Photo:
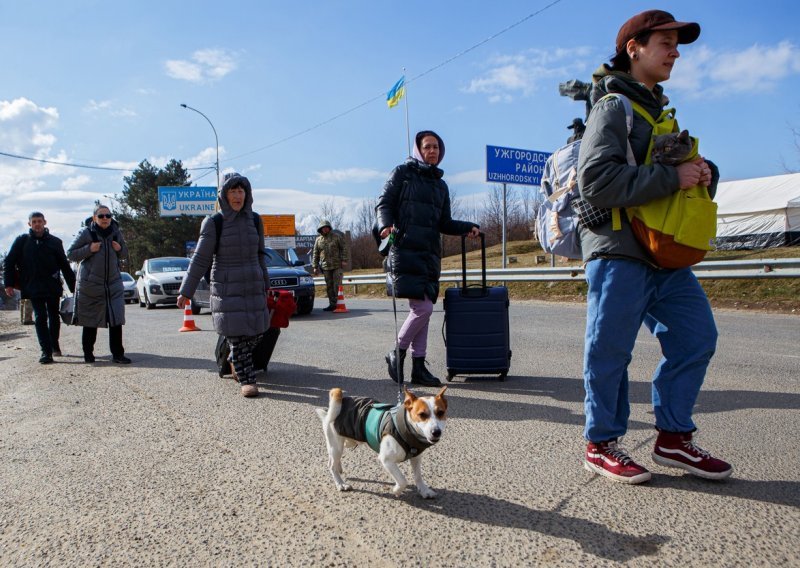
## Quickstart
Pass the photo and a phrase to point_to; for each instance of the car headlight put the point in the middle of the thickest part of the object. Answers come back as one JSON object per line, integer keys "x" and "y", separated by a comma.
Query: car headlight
{"x": 155, "y": 288}
{"x": 306, "y": 281}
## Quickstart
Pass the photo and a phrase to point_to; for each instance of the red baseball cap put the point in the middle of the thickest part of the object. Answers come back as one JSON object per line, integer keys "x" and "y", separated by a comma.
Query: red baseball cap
{"x": 656, "y": 20}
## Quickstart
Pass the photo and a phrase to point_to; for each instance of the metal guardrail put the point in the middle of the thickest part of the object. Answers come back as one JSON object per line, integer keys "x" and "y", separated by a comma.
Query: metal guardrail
{"x": 710, "y": 269}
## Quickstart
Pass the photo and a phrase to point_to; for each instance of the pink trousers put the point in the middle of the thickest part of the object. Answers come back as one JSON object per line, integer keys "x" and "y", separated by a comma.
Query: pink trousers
{"x": 414, "y": 333}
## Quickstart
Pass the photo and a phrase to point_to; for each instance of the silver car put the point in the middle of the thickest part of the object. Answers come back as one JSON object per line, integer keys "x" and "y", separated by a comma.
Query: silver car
{"x": 130, "y": 295}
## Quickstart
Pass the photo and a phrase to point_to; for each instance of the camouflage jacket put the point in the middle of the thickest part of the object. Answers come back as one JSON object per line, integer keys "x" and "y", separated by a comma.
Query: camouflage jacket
{"x": 330, "y": 252}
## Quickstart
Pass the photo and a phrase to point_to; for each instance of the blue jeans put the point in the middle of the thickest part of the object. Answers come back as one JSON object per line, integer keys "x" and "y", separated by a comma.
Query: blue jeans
{"x": 622, "y": 295}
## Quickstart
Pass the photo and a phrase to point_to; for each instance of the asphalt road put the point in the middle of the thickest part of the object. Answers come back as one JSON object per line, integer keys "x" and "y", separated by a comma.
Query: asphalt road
{"x": 163, "y": 463}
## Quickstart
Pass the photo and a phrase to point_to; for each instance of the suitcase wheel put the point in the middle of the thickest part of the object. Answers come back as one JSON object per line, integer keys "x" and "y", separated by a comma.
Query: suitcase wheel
{"x": 450, "y": 376}
{"x": 502, "y": 376}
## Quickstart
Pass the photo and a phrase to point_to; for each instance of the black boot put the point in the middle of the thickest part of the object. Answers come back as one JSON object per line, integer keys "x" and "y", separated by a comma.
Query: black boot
{"x": 391, "y": 360}
{"x": 420, "y": 375}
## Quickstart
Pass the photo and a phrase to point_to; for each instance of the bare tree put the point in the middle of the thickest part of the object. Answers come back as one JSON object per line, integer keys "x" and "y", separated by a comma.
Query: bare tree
{"x": 492, "y": 214}
{"x": 365, "y": 217}
{"x": 329, "y": 210}
{"x": 363, "y": 251}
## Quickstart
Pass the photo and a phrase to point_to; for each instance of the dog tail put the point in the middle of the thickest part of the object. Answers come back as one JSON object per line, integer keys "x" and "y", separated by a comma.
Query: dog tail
{"x": 334, "y": 405}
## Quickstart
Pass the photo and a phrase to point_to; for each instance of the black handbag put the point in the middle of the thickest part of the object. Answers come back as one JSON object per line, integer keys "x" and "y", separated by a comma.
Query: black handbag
{"x": 66, "y": 309}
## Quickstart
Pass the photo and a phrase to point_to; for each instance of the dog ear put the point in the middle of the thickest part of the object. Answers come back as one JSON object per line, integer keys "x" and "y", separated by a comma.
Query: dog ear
{"x": 409, "y": 398}
{"x": 441, "y": 397}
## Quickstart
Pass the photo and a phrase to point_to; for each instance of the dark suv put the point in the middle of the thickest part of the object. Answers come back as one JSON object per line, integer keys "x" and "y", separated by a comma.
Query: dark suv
{"x": 282, "y": 275}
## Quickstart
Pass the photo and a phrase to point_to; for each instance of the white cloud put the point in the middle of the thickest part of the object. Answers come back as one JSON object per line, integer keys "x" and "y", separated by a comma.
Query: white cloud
{"x": 206, "y": 157}
{"x": 466, "y": 178}
{"x": 509, "y": 76}
{"x": 704, "y": 72}
{"x": 74, "y": 183}
{"x": 347, "y": 175}
{"x": 107, "y": 107}
{"x": 24, "y": 125}
{"x": 205, "y": 66}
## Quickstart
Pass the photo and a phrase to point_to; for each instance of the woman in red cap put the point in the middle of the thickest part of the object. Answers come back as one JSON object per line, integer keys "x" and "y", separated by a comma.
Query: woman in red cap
{"x": 626, "y": 288}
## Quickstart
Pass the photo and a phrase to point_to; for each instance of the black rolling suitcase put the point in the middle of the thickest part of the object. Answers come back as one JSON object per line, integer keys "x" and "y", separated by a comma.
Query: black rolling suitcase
{"x": 261, "y": 354}
{"x": 476, "y": 332}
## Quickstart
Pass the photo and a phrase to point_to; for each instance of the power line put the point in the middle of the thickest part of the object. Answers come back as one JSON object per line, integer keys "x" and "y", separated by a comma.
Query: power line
{"x": 383, "y": 94}
{"x": 85, "y": 166}
{"x": 319, "y": 124}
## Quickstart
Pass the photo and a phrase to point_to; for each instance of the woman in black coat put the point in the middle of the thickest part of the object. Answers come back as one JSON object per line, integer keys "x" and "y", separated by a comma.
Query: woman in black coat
{"x": 416, "y": 205}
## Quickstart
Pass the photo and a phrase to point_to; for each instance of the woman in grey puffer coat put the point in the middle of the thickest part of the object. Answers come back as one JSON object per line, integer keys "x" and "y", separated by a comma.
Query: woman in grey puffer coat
{"x": 99, "y": 300}
{"x": 239, "y": 276}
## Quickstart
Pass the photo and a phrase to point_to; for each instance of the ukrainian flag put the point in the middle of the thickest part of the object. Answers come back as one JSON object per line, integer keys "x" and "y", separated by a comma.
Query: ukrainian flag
{"x": 396, "y": 93}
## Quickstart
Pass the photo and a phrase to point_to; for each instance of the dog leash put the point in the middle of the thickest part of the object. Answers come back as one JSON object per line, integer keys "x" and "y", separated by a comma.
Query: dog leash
{"x": 396, "y": 330}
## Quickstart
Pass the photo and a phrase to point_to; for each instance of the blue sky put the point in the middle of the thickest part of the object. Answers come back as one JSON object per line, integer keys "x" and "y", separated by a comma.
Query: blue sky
{"x": 100, "y": 83}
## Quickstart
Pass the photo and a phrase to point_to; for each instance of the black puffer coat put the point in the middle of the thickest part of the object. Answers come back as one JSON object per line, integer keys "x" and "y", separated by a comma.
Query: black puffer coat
{"x": 39, "y": 261}
{"x": 416, "y": 201}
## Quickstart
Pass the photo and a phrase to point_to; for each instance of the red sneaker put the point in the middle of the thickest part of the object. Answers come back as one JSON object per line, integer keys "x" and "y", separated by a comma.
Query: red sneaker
{"x": 608, "y": 459}
{"x": 678, "y": 450}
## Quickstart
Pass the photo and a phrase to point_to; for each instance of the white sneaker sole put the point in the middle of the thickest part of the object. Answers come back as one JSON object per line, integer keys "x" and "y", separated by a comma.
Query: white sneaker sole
{"x": 635, "y": 480}
{"x": 666, "y": 462}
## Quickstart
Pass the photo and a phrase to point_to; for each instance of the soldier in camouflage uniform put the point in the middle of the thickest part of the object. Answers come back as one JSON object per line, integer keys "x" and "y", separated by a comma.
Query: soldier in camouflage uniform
{"x": 330, "y": 255}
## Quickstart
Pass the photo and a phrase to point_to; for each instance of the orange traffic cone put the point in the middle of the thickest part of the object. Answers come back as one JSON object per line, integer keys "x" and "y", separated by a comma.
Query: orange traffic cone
{"x": 340, "y": 307}
{"x": 188, "y": 318}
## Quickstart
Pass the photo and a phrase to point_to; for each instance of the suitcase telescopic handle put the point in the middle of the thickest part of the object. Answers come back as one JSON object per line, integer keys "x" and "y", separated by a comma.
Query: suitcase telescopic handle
{"x": 464, "y": 262}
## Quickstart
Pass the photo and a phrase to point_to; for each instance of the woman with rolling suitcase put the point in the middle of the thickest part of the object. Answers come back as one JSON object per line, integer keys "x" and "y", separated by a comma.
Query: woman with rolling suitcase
{"x": 415, "y": 205}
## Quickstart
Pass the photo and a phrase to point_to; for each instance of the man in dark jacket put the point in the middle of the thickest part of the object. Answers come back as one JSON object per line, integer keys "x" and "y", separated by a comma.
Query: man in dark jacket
{"x": 40, "y": 260}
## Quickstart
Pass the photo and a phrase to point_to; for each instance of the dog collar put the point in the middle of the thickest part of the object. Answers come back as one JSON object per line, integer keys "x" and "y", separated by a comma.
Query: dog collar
{"x": 413, "y": 444}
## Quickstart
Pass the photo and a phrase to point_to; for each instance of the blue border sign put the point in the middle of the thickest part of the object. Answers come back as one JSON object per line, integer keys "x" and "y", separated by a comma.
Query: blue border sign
{"x": 187, "y": 200}
{"x": 514, "y": 165}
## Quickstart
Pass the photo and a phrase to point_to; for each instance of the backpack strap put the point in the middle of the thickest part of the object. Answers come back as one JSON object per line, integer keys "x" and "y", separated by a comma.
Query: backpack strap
{"x": 628, "y": 105}
{"x": 217, "y": 218}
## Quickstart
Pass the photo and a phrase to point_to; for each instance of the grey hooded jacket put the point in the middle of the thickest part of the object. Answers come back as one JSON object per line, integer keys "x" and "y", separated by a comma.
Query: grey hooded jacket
{"x": 239, "y": 274}
{"x": 604, "y": 177}
{"x": 99, "y": 300}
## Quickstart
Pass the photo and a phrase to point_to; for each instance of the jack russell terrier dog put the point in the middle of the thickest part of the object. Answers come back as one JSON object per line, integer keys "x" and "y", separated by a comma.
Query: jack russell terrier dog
{"x": 397, "y": 433}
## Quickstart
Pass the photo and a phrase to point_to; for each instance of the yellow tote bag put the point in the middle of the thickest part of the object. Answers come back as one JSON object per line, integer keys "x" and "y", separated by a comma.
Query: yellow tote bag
{"x": 679, "y": 229}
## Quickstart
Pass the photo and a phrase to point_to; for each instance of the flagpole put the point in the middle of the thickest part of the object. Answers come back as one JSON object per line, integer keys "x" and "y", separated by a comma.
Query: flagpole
{"x": 408, "y": 129}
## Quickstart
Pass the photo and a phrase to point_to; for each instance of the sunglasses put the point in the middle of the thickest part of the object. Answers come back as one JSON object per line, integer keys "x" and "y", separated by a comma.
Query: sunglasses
{"x": 104, "y": 215}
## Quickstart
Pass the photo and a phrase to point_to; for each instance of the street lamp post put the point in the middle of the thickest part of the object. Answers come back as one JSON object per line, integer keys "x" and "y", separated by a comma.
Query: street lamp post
{"x": 216, "y": 138}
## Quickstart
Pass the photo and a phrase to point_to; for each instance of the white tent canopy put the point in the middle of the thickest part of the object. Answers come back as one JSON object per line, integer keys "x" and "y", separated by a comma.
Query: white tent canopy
{"x": 758, "y": 213}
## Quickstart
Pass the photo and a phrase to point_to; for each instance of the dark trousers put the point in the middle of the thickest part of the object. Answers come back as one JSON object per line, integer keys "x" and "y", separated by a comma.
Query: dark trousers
{"x": 114, "y": 340}
{"x": 48, "y": 323}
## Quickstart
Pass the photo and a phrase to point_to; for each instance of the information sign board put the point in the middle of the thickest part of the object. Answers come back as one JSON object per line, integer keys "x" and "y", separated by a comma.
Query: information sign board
{"x": 194, "y": 200}
{"x": 278, "y": 225}
{"x": 514, "y": 165}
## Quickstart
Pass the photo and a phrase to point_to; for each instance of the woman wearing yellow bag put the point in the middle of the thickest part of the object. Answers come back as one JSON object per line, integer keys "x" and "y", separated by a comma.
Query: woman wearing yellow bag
{"x": 626, "y": 288}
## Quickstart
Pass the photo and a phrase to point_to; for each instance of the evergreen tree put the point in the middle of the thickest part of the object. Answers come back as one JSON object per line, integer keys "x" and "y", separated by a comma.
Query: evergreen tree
{"x": 148, "y": 234}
